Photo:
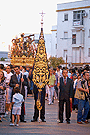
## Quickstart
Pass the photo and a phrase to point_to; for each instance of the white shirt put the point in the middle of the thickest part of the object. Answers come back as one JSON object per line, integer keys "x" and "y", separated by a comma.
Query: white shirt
{"x": 26, "y": 73}
{"x": 17, "y": 99}
{"x": 8, "y": 77}
{"x": 59, "y": 75}
{"x": 4, "y": 73}
{"x": 74, "y": 83}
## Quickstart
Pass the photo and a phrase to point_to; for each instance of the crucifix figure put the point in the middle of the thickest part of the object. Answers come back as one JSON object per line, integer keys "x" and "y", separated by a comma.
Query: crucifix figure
{"x": 42, "y": 15}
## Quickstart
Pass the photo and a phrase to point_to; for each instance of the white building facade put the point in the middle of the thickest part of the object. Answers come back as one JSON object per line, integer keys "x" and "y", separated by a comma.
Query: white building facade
{"x": 73, "y": 31}
{"x": 54, "y": 41}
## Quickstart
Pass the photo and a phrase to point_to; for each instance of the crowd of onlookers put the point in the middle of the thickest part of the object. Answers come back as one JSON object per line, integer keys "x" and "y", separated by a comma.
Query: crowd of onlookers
{"x": 16, "y": 83}
{"x": 81, "y": 90}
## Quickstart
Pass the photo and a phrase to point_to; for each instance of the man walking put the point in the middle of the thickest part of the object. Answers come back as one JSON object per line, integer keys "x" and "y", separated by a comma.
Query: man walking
{"x": 65, "y": 95}
{"x": 83, "y": 99}
{"x": 52, "y": 81}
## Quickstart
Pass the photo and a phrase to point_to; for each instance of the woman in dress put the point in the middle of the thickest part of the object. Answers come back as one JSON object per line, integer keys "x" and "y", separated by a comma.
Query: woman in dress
{"x": 2, "y": 94}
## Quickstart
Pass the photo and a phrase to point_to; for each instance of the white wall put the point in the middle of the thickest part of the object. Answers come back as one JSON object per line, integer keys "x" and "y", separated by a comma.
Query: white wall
{"x": 54, "y": 41}
{"x": 73, "y": 50}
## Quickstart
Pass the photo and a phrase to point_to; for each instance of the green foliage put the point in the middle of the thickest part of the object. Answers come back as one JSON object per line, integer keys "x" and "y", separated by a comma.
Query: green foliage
{"x": 54, "y": 62}
{"x": 3, "y": 59}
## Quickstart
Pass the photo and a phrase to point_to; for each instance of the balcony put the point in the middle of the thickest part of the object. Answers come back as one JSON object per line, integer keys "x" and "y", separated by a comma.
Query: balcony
{"x": 77, "y": 24}
{"x": 78, "y": 18}
{"x": 78, "y": 45}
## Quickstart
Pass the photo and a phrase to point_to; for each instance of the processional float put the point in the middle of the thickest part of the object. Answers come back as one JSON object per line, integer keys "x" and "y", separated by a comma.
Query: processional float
{"x": 23, "y": 50}
{"x": 40, "y": 71}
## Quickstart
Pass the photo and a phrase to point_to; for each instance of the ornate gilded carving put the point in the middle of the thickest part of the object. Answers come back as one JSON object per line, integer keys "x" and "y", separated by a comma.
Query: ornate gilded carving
{"x": 23, "y": 61}
{"x": 40, "y": 72}
{"x": 23, "y": 51}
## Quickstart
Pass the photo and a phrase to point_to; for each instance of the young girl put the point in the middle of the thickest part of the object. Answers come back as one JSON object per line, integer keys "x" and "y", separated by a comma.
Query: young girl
{"x": 17, "y": 102}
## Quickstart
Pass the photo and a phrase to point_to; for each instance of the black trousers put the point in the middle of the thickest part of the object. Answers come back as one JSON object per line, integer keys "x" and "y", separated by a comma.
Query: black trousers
{"x": 61, "y": 109}
{"x": 36, "y": 111}
{"x": 22, "y": 112}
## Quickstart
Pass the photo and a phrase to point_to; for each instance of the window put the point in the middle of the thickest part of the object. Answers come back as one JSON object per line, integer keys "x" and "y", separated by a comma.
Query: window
{"x": 78, "y": 17}
{"x": 88, "y": 52}
{"x": 65, "y": 34}
{"x": 66, "y": 17}
{"x": 89, "y": 14}
{"x": 89, "y": 32}
{"x": 56, "y": 46}
{"x": 73, "y": 38}
{"x": 56, "y": 35}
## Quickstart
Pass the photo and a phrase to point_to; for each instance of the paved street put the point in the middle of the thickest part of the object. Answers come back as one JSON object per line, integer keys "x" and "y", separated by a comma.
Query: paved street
{"x": 50, "y": 127}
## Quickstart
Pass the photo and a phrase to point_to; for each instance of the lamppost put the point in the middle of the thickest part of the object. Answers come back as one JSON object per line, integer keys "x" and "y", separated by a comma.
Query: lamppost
{"x": 80, "y": 53}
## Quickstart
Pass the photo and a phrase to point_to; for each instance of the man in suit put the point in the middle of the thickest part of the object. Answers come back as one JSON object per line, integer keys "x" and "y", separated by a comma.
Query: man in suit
{"x": 19, "y": 80}
{"x": 36, "y": 111}
{"x": 65, "y": 95}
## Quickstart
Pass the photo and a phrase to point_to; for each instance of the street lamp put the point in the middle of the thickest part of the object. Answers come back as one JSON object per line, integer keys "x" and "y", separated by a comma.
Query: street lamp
{"x": 80, "y": 53}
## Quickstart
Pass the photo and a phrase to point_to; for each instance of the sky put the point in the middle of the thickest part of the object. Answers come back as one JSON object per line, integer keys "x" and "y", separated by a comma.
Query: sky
{"x": 22, "y": 16}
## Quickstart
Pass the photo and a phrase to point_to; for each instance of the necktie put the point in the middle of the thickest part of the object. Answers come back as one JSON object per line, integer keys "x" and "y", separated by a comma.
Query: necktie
{"x": 64, "y": 81}
{"x": 18, "y": 78}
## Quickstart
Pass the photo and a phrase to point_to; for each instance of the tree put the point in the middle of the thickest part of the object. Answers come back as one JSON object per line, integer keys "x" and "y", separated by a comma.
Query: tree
{"x": 3, "y": 59}
{"x": 54, "y": 62}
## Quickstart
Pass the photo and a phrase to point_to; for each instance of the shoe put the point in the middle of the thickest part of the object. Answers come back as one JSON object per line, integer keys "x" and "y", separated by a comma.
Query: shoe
{"x": 43, "y": 120}
{"x": 23, "y": 121}
{"x": 0, "y": 120}
{"x": 49, "y": 103}
{"x": 52, "y": 103}
{"x": 86, "y": 121}
{"x": 79, "y": 122}
{"x": 60, "y": 121}
{"x": 11, "y": 124}
{"x": 45, "y": 98}
{"x": 17, "y": 125}
{"x": 33, "y": 120}
{"x": 68, "y": 122}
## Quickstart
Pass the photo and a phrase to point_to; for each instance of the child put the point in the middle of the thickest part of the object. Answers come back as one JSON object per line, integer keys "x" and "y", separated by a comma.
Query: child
{"x": 17, "y": 102}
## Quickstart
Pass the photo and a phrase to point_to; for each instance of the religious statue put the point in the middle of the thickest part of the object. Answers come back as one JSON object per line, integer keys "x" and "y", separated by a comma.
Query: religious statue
{"x": 23, "y": 50}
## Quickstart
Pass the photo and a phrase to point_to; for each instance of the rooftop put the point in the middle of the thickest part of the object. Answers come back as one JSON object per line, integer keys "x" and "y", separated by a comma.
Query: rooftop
{"x": 73, "y": 5}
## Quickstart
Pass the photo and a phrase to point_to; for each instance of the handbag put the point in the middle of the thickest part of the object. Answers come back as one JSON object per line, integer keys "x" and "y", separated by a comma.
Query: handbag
{"x": 79, "y": 94}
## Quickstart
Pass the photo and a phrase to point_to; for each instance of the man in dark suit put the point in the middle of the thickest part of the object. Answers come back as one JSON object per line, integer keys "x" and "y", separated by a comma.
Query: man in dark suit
{"x": 65, "y": 95}
{"x": 36, "y": 111}
{"x": 19, "y": 80}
